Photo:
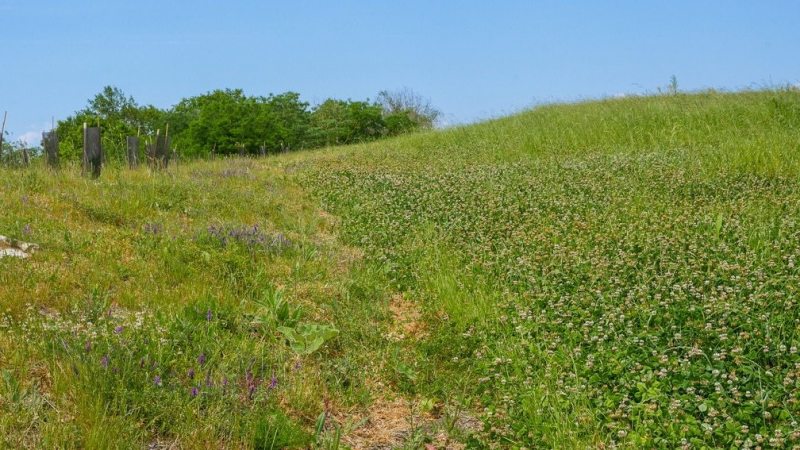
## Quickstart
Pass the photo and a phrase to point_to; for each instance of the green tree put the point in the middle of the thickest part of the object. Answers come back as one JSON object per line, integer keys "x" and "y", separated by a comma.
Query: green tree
{"x": 336, "y": 122}
{"x": 418, "y": 111}
{"x": 117, "y": 115}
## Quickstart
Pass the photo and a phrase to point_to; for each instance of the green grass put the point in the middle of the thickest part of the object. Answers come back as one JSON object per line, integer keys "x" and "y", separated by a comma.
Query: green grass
{"x": 618, "y": 272}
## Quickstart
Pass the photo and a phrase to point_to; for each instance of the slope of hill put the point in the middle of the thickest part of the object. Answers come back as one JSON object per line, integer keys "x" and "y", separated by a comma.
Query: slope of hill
{"x": 620, "y": 272}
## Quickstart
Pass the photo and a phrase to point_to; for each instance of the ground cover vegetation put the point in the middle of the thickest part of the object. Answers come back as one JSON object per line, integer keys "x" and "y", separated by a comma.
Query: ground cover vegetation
{"x": 615, "y": 273}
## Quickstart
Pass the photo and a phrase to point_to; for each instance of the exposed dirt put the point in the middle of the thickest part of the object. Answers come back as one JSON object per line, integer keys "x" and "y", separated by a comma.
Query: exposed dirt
{"x": 390, "y": 423}
{"x": 406, "y": 319}
{"x": 387, "y": 425}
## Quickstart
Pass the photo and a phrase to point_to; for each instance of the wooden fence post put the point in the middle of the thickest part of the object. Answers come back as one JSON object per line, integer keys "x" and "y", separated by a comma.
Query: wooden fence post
{"x": 50, "y": 142}
{"x": 92, "y": 150}
{"x": 133, "y": 151}
{"x": 152, "y": 150}
{"x": 2, "y": 132}
{"x": 165, "y": 149}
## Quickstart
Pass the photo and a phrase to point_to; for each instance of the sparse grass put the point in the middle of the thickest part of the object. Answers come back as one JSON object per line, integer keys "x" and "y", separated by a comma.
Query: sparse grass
{"x": 149, "y": 315}
{"x": 612, "y": 273}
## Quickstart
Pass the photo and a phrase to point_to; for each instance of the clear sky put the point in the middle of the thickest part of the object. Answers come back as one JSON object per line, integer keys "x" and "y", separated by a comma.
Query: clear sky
{"x": 473, "y": 59}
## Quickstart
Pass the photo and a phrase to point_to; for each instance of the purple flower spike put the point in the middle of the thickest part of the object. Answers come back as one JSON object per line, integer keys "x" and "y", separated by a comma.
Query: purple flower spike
{"x": 194, "y": 391}
{"x": 201, "y": 359}
{"x": 119, "y": 329}
{"x": 209, "y": 315}
{"x": 190, "y": 374}
{"x": 157, "y": 380}
{"x": 273, "y": 382}
{"x": 104, "y": 361}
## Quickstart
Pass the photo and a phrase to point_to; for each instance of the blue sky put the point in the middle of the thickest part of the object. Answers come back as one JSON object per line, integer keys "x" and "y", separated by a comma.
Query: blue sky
{"x": 473, "y": 59}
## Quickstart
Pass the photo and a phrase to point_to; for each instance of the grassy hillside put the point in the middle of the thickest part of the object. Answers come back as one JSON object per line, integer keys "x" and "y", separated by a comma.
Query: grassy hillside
{"x": 620, "y": 272}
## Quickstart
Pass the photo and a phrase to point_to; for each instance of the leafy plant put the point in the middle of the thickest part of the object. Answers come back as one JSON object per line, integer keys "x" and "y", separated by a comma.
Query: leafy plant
{"x": 307, "y": 338}
{"x": 275, "y": 311}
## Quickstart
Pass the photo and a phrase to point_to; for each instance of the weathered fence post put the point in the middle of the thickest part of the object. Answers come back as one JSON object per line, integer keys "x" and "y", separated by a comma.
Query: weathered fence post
{"x": 165, "y": 149}
{"x": 263, "y": 149}
{"x": 92, "y": 150}
{"x": 84, "y": 161}
{"x": 2, "y": 132}
{"x": 50, "y": 143}
{"x": 133, "y": 151}
{"x": 151, "y": 151}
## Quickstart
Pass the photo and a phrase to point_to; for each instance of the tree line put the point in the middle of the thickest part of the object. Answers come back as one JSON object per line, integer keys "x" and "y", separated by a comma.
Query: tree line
{"x": 228, "y": 121}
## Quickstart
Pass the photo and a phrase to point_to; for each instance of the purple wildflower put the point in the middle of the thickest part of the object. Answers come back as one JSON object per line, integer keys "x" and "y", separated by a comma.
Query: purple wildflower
{"x": 157, "y": 380}
{"x": 273, "y": 382}
{"x": 190, "y": 373}
{"x": 201, "y": 359}
{"x": 209, "y": 315}
{"x": 104, "y": 361}
{"x": 194, "y": 391}
{"x": 152, "y": 228}
{"x": 251, "y": 390}
{"x": 87, "y": 346}
{"x": 119, "y": 329}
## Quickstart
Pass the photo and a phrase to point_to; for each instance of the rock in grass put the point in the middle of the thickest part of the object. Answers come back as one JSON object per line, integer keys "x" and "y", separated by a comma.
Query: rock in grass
{"x": 16, "y": 249}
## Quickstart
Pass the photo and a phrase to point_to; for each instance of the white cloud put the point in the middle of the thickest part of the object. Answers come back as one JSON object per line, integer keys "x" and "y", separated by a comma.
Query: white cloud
{"x": 31, "y": 138}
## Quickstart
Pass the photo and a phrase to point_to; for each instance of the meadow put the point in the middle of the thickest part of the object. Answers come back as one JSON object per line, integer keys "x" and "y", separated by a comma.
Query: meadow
{"x": 618, "y": 273}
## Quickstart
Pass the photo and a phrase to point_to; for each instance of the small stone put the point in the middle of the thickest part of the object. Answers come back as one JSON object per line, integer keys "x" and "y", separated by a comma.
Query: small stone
{"x": 16, "y": 249}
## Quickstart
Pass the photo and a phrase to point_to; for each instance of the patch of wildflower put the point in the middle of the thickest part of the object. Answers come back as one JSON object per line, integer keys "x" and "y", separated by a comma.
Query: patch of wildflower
{"x": 153, "y": 228}
{"x": 123, "y": 355}
{"x": 251, "y": 237}
{"x": 661, "y": 297}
